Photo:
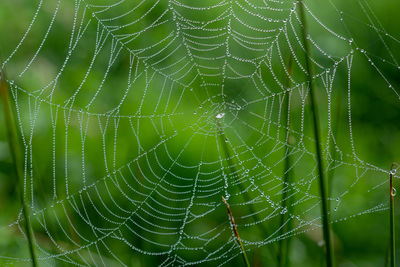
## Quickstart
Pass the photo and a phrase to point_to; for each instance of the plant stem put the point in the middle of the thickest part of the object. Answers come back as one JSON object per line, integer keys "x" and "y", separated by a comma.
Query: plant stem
{"x": 245, "y": 195}
{"x": 314, "y": 111}
{"x": 283, "y": 254}
{"x": 392, "y": 245}
{"x": 16, "y": 157}
{"x": 246, "y": 260}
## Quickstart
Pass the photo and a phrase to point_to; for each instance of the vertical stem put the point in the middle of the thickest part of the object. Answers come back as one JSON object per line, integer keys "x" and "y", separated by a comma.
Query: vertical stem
{"x": 314, "y": 111}
{"x": 245, "y": 195}
{"x": 16, "y": 157}
{"x": 392, "y": 245}
{"x": 283, "y": 254}
{"x": 232, "y": 220}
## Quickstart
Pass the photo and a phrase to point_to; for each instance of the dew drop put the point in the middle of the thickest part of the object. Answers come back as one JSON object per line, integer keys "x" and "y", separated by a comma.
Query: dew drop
{"x": 284, "y": 210}
{"x": 393, "y": 193}
{"x": 220, "y": 115}
{"x": 393, "y": 171}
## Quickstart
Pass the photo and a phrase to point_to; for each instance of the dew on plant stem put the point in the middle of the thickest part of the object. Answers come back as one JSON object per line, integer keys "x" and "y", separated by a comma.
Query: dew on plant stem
{"x": 393, "y": 171}
{"x": 284, "y": 210}
{"x": 393, "y": 193}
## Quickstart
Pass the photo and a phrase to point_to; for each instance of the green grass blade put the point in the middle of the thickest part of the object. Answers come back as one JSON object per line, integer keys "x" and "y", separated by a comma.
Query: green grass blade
{"x": 284, "y": 244}
{"x": 392, "y": 245}
{"x": 264, "y": 231}
{"x": 314, "y": 111}
{"x": 17, "y": 162}
{"x": 232, "y": 220}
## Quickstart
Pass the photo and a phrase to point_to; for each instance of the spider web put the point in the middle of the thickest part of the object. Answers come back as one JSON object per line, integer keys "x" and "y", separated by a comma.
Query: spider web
{"x": 137, "y": 116}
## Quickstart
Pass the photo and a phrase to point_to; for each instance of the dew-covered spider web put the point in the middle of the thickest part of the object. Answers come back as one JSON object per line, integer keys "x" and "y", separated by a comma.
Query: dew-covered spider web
{"x": 136, "y": 117}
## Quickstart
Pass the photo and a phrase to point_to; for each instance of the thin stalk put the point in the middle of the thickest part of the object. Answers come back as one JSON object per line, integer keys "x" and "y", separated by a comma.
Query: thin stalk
{"x": 232, "y": 169}
{"x": 283, "y": 253}
{"x": 17, "y": 163}
{"x": 246, "y": 260}
{"x": 314, "y": 111}
{"x": 392, "y": 245}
